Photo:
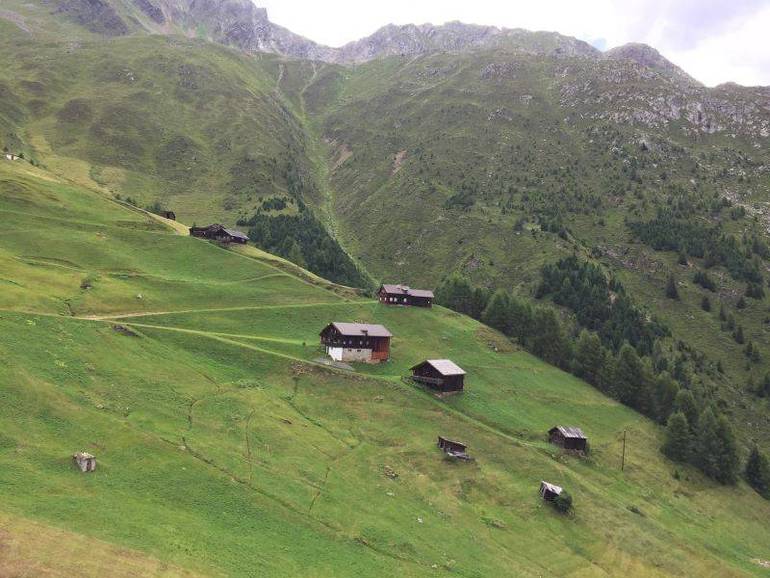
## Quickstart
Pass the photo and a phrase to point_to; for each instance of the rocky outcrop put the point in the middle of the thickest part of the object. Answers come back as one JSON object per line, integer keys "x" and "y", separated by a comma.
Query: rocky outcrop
{"x": 98, "y": 16}
{"x": 153, "y": 12}
{"x": 647, "y": 57}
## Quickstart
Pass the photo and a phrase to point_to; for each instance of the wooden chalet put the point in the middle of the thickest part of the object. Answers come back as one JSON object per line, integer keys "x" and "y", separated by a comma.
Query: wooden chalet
{"x": 86, "y": 462}
{"x": 404, "y": 295}
{"x": 569, "y": 438}
{"x": 453, "y": 448}
{"x": 168, "y": 215}
{"x": 219, "y": 233}
{"x": 550, "y": 491}
{"x": 356, "y": 342}
{"x": 439, "y": 374}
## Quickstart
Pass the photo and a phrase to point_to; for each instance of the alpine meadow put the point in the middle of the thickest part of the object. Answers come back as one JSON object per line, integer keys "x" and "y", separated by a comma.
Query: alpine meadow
{"x": 450, "y": 300}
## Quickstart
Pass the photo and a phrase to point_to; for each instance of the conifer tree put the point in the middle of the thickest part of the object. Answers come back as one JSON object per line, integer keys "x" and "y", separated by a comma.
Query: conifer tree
{"x": 757, "y": 472}
{"x": 678, "y": 443}
{"x": 628, "y": 372}
{"x": 685, "y": 403}
{"x": 666, "y": 390}
{"x": 589, "y": 356}
{"x": 497, "y": 312}
{"x": 729, "y": 460}
{"x": 716, "y": 448}
{"x": 549, "y": 341}
{"x": 672, "y": 292}
{"x": 705, "y": 303}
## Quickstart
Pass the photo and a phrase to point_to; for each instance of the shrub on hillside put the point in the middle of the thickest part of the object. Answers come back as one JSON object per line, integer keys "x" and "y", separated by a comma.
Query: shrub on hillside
{"x": 563, "y": 502}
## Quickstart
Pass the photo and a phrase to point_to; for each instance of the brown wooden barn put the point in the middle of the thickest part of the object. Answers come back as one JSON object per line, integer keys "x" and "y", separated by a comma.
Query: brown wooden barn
{"x": 86, "y": 462}
{"x": 356, "y": 342}
{"x": 549, "y": 491}
{"x": 219, "y": 233}
{"x": 570, "y": 438}
{"x": 404, "y": 295}
{"x": 453, "y": 448}
{"x": 439, "y": 374}
{"x": 168, "y": 215}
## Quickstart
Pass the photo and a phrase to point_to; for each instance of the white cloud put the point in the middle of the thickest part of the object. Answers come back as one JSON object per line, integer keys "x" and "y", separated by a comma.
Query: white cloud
{"x": 713, "y": 40}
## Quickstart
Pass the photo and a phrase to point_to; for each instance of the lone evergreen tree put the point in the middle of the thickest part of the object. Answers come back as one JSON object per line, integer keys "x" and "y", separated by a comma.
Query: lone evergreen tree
{"x": 705, "y": 303}
{"x": 671, "y": 289}
{"x": 563, "y": 502}
{"x": 678, "y": 444}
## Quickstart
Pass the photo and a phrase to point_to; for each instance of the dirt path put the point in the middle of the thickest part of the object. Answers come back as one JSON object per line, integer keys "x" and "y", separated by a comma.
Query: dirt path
{"x": 218, "y": 309}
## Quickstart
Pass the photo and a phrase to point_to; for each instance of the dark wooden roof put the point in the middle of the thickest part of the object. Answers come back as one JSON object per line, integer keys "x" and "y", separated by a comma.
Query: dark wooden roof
{"x": 569, "y": 432}
{"x": 236, "y": 234}
{"x": 406, "y": 290}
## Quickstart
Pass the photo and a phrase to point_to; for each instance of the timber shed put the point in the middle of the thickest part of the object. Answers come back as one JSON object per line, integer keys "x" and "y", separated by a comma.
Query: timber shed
{"x": 453, "y": 448}
{"x": 570, "y": 438}
{"x": 440, "y": 374}
{"x": 549, "y": 491}
{"x": 404, "y": 295}
{"x": 219, "y": 233}
{"x": 168, "y": 215}
{"x": 86, "y": 462}
{"x": 364, "y": 342}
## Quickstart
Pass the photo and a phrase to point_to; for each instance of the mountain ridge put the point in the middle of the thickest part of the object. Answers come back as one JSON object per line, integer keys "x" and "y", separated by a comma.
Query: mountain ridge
{"x": 244, "y": 25}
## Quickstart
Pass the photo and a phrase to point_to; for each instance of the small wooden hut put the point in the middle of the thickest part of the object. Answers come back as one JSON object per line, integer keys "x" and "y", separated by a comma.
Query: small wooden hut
{"x": 439, "y": 374}
{"x": 569, "y": 438}
{"x": 168, "y": 215}
{"x": 86, "y": 462}
{"x": 453, "y": 448}
{"x": 549, "y": 491}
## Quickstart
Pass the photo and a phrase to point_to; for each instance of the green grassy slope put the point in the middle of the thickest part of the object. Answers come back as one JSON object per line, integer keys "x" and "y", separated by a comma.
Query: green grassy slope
{"x": 225, "y": 450}
{"x": 152, "y": 118}
{"x": 470, "y": 161}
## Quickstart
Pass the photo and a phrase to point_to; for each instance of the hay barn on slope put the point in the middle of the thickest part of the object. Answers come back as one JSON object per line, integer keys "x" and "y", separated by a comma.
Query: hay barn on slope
{"x": 440, "y": 374}
{"x": 404, "y": 295}
{"x": 569, "y": 438}
{"x": 219, "y": 233}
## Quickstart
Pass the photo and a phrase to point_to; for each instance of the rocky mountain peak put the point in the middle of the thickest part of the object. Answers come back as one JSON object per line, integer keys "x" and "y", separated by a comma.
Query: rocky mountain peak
{"x": 646, "y": 55}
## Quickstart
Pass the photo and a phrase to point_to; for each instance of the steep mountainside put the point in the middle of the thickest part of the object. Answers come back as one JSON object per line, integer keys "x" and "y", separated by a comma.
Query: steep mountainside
{"x": 224, "y": 447}
{"x": 446, "y": 149}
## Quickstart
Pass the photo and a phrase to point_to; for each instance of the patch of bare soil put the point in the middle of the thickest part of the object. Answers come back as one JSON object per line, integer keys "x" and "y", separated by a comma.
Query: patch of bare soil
{"x": 398, "y": 160}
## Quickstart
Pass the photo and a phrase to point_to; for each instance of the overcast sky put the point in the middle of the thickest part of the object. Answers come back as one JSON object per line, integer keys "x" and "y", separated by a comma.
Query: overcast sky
{"x": 713, "y": 40}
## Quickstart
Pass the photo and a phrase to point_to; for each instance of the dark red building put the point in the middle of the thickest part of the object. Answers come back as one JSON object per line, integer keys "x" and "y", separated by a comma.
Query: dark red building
{"x": 356, "y": 342}
{"x": 440, "y": 374}
{"x": 404, "y": 295}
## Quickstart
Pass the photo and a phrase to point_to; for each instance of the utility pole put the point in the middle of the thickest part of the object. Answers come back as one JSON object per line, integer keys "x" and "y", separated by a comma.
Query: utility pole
{"x": 623, "y": 459}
